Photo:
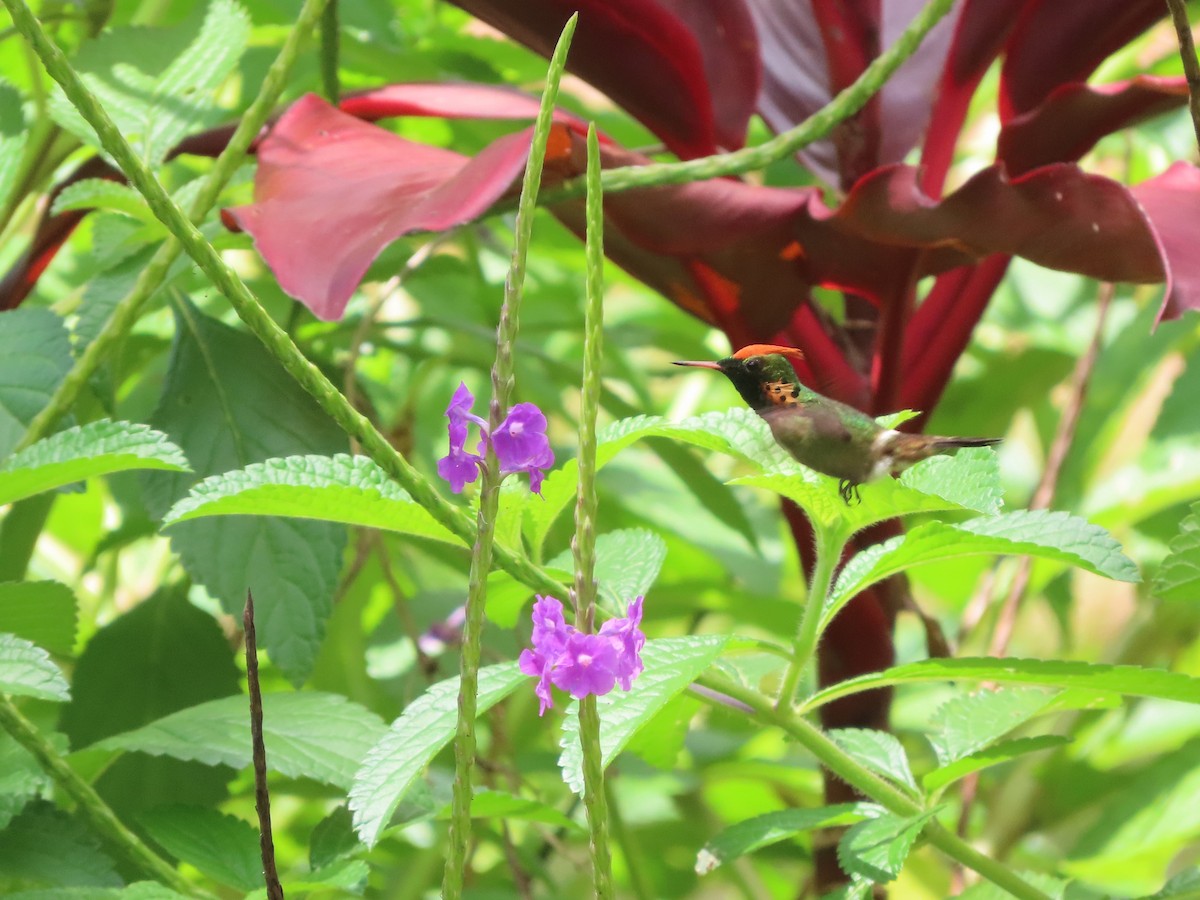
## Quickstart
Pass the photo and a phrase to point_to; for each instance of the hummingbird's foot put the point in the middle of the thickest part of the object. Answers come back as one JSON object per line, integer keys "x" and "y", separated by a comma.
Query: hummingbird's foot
{"x": 848, "y": 489}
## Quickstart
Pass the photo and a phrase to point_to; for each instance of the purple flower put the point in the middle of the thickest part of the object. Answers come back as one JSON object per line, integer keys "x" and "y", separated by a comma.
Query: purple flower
{"x": 578, "y": 663}
{"x": 520, "y": 443}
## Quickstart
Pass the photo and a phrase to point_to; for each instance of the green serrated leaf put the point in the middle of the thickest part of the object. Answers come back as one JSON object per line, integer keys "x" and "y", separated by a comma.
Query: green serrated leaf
{"x": 221, "y": 846}
{"x": 101, "y": 193}
{"x": 400, "y": 756}
{"x": 876, "y": 848}
{"x": 21, "y": 776}
{"x": 43, "y": 612}
{"x": 969, "y": 722}
{"x": 26, "y": 670}
{"x": 627, "y": 563}
{"x": 773, "y": 827}
{"x": 1057, "y": 536}
{"x": 307, "y": 735}
{"x": 350, "y": 490}
{"x": 671, "y": 665}
{"x": 35, "y": 354}
{"x": 1179, "y": 576}
{"x": 1133, "y": 681}
{"x": 995, "y": 755}
{"x": 229, "y": 404}
{"x": 878, "y": 751}
{"x": 98, "y": 448}
{"x": 157, "y": 83}
{"x": 45, "y": 847}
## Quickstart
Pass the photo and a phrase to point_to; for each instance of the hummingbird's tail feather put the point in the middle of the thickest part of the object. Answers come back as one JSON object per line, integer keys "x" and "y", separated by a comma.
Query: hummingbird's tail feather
{"x": 953, "y": 443}
{"x": 901, "y": 450}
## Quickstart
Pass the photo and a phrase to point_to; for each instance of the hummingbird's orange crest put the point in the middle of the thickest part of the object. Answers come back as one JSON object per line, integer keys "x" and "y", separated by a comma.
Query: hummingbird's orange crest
{"x": 766, "y": 350}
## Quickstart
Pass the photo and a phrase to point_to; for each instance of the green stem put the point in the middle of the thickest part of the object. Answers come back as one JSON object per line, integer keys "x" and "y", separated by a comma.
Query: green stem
{"x": 871, "y": 785}
{"x": 583, "y": 545}
{"x": 489, "y": 499}
{"x": 98, "y": 813}
{"x": 125, "y": 314}
{"x": 330, "y": 33}
{"x": 260, "y": 324}
{"x": 829, "y": 548}
{"x": 814, "y": 128}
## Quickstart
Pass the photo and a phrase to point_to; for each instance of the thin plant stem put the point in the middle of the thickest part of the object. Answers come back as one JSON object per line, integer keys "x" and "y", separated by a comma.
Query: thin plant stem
{"x": 1187, "y": 53}
{"x": 814, "y": 128}
{"x": 256, "y": 319}
{"x": 330, "y": 35}
{"x": 121, "y": 320}
{"x": 583, "y": 544}
{"x": 828, "y": 551}
{"x": 871, "y": 785}
{"x": 262, "y": 796}
{"x": 503, "y": 379}
{"x": 98, "y": 813}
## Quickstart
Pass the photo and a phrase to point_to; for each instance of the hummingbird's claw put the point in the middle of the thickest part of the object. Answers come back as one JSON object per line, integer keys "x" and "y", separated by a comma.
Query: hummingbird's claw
{"x": 848, "y": 489}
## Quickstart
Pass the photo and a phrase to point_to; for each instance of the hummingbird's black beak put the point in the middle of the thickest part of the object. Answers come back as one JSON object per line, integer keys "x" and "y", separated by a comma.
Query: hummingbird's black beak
{"x": 698, "y": 363}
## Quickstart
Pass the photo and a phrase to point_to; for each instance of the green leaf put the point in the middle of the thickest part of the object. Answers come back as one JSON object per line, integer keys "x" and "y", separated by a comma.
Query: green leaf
{"x": 35, "y": 354}
{"x": 26, "y": 671}
{"x": 506, "y": 596}
{"x": 876, "y": 848}
{"x": 968, "y": 480}
{"x": 140, "y": 890}
{"x": 503, "y": 805}
{"x": 969, "y": 722}
{"x": 45, "y": 847}
{"x": 43, "y": 612}
{"x": 1056, "y": 536}
{"x": 878, "y": 751}
{"x": 161, "y": 656}
{"x": 350, "y": 490}
{"x": 425, "y": 727}
{"x": 995, "y": 755}
{"x": 661, "y": 740}
{"x": 221, "y": 846}
{"x": 627, "y": 563}
{"x": 771, "y": 828}
{"x": 98, "y": 448}
{"x": 1179, "y": 576}
{"x": 12, "y": 139}
{"x": 671, "y": 665}
{"x": 157, "y": 83}
{"x": 307, "y": 735}
{"x": 1130, "y": 680}
{"x": 21, "y": 777}
{"x": 228, "y": 403}
{"x": 101, "y": 193}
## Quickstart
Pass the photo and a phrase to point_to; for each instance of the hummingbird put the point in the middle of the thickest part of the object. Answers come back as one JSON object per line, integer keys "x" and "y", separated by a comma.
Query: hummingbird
{"x": 824, "y": 434}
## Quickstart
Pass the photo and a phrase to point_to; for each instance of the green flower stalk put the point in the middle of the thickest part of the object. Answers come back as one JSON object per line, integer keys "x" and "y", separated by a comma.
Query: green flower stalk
{"x": 489, "y": 494}
{"x": 583, "y": 544}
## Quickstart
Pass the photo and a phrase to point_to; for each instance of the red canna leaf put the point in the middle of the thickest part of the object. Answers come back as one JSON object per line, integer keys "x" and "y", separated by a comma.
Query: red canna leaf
{"x": 687, "y": 71}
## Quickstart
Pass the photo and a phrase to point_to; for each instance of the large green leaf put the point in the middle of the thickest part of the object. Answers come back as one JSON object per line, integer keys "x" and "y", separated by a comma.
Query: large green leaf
{"x": 98, "y": 448}
{"x": 1179, "y": 576}
{"x": 27, "y": 671}
{"x": 671, "y": 665}
{"x": 1056, "y": 536}
{"x": 307, "y": 735}
{"x": 991, "y": 756}
{"x": 878, "y": 751}
{"x": 43, "y": 612}
{"x": 161, "y": 656}
{"x": 771, "y": 828}
{"x": 157, "y": 83}
{"x": 228, "y": 403}
{"x": 350, "y": 490}
{"x": 35, "y": 354}
{"x": 221, "y": 846}
{"x": 45, "y": 847}
{"x": 401, "y": 755}
{"x": 876, "y": 848}
{"x": 1130, "y": 680}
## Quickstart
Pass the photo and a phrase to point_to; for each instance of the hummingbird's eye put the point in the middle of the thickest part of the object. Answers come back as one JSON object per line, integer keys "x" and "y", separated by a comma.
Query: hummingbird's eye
{"x": 753, "y": 365}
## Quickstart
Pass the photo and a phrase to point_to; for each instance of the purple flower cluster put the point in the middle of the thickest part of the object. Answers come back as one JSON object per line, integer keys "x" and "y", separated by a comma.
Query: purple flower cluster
{"x": 579, "y": 663}
{"x": 520, "y": 443}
